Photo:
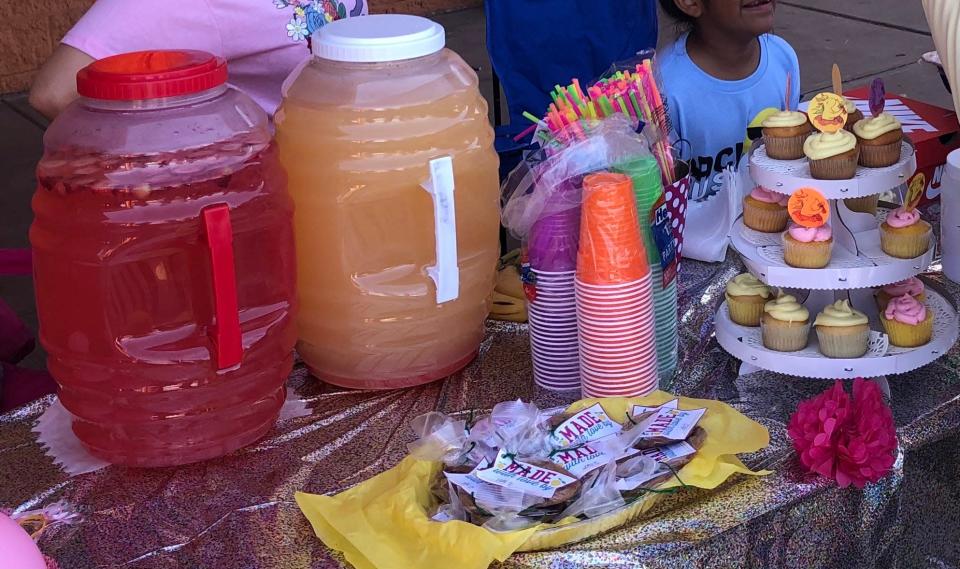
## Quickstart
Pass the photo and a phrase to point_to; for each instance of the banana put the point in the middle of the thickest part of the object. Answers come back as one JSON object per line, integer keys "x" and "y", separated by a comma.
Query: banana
{"x": 519, "y": 318}
{"x": 509, "y": 283}
{"x": 509, "y": 308}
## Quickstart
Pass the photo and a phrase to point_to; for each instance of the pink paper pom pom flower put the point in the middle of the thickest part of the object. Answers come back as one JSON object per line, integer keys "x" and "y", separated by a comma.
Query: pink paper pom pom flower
{"x": 850, "y": 441}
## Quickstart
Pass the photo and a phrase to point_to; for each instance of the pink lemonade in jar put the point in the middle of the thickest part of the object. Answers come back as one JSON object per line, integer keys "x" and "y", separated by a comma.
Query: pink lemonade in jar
{"x": 165, "y": 272}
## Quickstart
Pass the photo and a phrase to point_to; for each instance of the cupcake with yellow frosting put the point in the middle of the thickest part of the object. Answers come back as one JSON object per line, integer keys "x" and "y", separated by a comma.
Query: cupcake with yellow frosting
{"x": 746, "y": 296}
{"x": 785, "y": 325}
{"x": 784, "y": 133}
{"x": 854, "y": 115}
{"x": 908, "y": 322}
{"x": 880, "y": 140}
{"x": 832, "y": 155}
{"x": 842, "y": 331}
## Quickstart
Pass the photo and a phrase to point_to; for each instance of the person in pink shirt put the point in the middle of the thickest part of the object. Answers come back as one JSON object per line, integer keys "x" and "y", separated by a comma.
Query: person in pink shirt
{"x": 262, "y": 40}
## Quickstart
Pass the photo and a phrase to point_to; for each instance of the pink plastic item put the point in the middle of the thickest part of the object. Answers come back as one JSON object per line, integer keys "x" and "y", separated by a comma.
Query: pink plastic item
{"x": 17, "y": 549}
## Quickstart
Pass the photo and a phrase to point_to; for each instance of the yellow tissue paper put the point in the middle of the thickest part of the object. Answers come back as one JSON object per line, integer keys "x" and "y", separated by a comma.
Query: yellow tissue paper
{"x": 384, "y": 523}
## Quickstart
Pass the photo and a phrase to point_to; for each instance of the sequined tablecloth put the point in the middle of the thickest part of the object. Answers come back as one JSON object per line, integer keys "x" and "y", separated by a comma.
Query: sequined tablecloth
{"x": 238, "y": 512}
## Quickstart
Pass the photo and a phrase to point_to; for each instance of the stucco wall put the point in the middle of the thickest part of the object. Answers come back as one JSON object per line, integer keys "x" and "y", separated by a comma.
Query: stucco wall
{"x": 31, "y": 29}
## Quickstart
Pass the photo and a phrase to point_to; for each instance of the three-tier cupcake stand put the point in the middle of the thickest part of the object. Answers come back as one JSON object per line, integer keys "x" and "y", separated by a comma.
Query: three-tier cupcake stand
{"x": 858, "y": 265}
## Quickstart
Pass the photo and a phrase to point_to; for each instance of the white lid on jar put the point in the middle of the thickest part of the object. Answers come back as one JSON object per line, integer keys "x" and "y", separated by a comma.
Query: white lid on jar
{"x": 378, "y": 38}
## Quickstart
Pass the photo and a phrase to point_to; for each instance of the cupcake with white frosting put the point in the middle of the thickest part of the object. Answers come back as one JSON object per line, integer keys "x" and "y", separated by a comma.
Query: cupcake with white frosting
{"x": 832, "y": 155}
{"x": 784, "y": 133}
{"x": 854, "y": 115}
{"x": 880, "y": 140}
{"x": 842, "y": 331}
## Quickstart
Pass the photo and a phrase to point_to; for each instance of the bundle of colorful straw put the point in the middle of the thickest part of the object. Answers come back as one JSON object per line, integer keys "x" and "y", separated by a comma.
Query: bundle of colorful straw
{"x": 635, "y": 95}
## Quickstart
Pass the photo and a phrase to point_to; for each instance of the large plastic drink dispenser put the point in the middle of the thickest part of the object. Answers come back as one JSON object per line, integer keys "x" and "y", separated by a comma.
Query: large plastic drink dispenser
{"x": 164, "y": 261}
{"x": 388, "y": 146}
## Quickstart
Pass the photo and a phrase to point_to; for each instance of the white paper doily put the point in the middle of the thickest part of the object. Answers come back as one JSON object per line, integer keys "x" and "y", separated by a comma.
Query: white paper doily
{"x": 787, "y": 176}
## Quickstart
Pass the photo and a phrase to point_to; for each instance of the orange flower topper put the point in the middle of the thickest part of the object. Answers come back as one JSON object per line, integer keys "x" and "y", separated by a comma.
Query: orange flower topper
{"x": 827, "y": 112}
{"x": 915, "y": 191}
{"x": 808, "y": 207}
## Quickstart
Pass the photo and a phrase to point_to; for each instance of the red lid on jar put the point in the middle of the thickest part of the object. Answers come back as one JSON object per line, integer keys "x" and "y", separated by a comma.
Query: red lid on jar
{"x": 151, "y": 75}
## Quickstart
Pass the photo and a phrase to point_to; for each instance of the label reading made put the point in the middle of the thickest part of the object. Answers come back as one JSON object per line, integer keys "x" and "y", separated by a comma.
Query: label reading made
{"x": 588, "y": 425}
{"x": 641, "y": 409}
{"x": 515, "y": 474}
{"x": 671, "y": 452}
{"x": 671, "y": 424}
{"x": 583, "y": 459}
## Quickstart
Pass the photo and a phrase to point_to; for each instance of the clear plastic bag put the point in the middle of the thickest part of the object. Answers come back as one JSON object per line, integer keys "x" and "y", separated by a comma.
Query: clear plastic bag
{"x": 439, "y": 438}
{"x": 513, "y": 425}
{"x": 598, "y": 496}
{"x": 546, "y": 182}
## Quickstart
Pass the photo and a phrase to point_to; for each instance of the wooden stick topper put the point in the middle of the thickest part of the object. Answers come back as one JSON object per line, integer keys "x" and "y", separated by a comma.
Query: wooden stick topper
{"x": 808, "y": 207}
{"x": 837, "y": 80}
{"x": 827, "y": 112}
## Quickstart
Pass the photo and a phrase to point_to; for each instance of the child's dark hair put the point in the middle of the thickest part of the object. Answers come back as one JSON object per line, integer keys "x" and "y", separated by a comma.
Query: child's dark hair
{"x": 684, "y": 21}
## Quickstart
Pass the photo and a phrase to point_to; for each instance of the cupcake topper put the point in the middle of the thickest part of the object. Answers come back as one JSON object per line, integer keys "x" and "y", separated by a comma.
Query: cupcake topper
{"x": 827, "y": 112}
{"x": 837, "y": 81}
{"x": 878, "y": 96}
{"x": 786, "y": 97}
{"x": 808, "y": 207}
{"x": 915, "y": 191}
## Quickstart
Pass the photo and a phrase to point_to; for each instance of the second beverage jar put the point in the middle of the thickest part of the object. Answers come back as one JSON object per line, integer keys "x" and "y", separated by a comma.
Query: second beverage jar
{"x": 389, "y": 151}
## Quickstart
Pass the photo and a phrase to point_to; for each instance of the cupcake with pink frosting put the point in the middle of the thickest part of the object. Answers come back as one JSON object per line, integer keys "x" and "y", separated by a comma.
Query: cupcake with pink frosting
{"x": 908, "y": 322}
{"x": 904, "y": 235}
{"x": 913, "y": 287}
{"x": 765, "y": 210}
{"x": 807, "y": 247}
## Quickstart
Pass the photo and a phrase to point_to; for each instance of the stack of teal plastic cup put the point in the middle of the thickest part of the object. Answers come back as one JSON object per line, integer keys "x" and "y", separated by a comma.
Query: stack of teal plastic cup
{"x": 648, "y": 188}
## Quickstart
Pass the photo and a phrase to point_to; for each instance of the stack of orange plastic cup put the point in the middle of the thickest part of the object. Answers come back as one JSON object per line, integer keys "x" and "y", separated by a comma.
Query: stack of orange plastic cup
{"x": 614, "y": 293}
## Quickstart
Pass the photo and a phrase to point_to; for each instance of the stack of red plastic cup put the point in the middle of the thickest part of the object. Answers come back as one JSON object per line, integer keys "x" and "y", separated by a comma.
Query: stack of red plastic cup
{"x": 614, "y": 293}
{"x": 552, "y": 252}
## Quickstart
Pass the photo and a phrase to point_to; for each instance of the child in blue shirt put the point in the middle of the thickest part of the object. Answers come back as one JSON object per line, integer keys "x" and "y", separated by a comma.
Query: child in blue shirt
{"x": 720, "y": 74}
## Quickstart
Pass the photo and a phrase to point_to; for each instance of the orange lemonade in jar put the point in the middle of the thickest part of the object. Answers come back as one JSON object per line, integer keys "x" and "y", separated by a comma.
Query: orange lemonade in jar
{"x": 389, "y": 152}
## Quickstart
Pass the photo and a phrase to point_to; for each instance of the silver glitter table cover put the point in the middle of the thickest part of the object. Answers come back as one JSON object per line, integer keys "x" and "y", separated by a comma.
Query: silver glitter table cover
{"x": 238, "y": 511}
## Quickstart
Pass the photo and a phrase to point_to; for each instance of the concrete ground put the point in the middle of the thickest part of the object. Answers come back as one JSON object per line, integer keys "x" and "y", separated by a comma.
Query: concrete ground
{"x": 867, "y": 38}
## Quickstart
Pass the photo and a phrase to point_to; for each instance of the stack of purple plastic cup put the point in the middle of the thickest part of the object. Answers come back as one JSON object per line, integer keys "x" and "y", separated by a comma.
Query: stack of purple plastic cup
{"x": 552, "y": 253}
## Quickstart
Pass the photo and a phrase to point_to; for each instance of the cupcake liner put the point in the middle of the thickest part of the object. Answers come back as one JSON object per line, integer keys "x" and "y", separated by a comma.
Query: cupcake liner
{"x": 880, "y": 156}
{"x": 904, "y": 245}
{"x": 785, "y": 337}
{"x": 813, "y": 255}
{"x": 908, "y": 335}
{"x": 842, "y": 167}
{"x": 744, "y": 311}
{"x": 843, "y": 341}
{"x": 785, "y": 147}
{"x": 866, "y": 204}
{"x": 765, "y": 220}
